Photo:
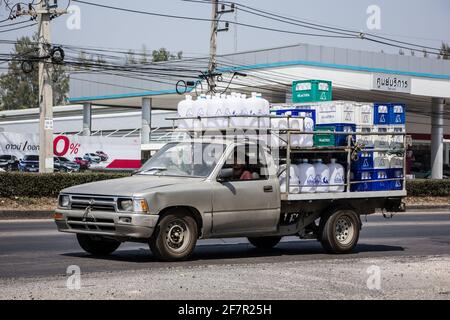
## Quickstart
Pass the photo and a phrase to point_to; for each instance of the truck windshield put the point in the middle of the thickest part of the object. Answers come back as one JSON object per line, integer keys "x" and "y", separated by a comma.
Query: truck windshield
{"x": 184, "y": 159}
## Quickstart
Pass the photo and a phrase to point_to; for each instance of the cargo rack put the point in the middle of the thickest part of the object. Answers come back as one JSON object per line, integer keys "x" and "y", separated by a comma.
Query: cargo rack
{"x": 349, "y": 149}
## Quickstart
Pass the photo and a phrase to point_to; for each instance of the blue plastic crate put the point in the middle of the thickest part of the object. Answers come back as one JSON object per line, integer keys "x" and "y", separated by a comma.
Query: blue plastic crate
{"x": 364, "y": 162}
{"x": 381, "y": 174}
{"x": 381, "y": 114}
{"x": 362, "y": 175}
{"x": 394, "y": 174}
{"x": 397, "y": 114}
{"x": 340, "y": 140}
{"x": 297, "y": 112}
{"x": 389, "y": 114}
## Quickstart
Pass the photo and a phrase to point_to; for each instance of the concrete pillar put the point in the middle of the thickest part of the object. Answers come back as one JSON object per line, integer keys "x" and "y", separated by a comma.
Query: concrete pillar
{"x": 87, "y": 119}
{"x": 437, "y": 138}
{"x": 446, "y": 153}
{"x": 146, "y": 120}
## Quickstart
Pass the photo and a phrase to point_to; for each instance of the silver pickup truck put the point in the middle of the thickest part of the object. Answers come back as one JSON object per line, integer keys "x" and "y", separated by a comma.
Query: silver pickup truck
{"x": 211, "y": 188}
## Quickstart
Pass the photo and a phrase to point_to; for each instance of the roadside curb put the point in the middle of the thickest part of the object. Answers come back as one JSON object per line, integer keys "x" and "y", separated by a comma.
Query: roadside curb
{"x": 19, "y": 214}
{"x": 426, "y": 207}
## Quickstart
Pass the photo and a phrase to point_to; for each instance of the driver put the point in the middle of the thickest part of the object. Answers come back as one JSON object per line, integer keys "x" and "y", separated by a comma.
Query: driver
{"x": 239, "y": 172}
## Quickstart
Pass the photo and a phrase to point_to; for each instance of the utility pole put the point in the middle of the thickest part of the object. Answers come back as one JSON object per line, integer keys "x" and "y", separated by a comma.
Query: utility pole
{"x": 215, "y": 17}
{"x": 45, "y": 92}
{"x": 46, "y": 10}
{"x": 213, "y": 46}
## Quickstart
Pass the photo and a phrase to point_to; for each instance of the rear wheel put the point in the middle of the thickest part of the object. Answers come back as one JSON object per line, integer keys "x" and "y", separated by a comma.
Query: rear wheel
{"x": 175, "y": 237}
{"x": 97, "y": 245}
{"x": 339, "y": 231}
{"x": 264, "y": 242}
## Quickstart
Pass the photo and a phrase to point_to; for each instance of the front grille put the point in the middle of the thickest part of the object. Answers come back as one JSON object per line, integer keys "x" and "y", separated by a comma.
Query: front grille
{"x": 91, "y": 224}
{"x": 90, "y": 219}
{"x": 96, "y": 203}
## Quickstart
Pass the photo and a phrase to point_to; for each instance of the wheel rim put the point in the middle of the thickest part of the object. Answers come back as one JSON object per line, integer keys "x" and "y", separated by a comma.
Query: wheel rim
{"x": 344, "y": 230}
{"x": 177, "y": 236}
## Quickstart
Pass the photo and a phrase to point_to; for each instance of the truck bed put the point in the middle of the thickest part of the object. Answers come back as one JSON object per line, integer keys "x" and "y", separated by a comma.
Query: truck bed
{"x": 342, "y": 195}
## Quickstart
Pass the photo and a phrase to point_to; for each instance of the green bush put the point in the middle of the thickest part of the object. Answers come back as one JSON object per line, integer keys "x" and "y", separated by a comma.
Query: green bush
{"x": 17, "y": 184}
{"x": 428, "y": 188}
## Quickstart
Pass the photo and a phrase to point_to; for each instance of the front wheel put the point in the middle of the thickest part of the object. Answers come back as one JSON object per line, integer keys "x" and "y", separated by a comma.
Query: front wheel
{"x": 264, "y": 242}
{"x": 97, "y": 245}
{"x": 175, "y": 237}
{"x": 339, "y": 231}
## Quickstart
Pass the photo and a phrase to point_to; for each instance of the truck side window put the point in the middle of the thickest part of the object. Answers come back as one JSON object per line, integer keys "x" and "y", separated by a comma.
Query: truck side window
{"x": 248, "y": 163}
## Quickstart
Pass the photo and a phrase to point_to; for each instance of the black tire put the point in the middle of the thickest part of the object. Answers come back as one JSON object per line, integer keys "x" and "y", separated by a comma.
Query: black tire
{"x": 264, "y": 242}
{"x": 175, "y": 237}
{"x": 339, "y": 231}
{"x": 97, "y": 245}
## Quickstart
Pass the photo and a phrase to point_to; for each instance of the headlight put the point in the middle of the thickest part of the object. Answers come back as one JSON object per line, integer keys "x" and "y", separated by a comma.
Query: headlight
{"x": 125, "y": 205}
{"x": 132, "y": 205}
{"x": 64, "y": 201}
{"x": 140, "y": 205}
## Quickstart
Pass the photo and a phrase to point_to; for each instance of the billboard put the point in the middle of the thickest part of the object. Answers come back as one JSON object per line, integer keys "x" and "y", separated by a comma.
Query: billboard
{"x": 99, "y": 152}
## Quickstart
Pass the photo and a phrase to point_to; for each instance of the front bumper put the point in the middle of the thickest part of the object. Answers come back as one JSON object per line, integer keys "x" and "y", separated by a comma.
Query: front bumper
{"x": 117, "y": 225}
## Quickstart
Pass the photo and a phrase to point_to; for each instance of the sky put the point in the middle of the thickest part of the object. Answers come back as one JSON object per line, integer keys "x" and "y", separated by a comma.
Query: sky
{"x": 417, "y": 21}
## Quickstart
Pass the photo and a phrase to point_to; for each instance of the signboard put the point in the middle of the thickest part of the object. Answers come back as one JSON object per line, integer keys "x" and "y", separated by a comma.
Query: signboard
{"x": 99, "y": 152}
{"x": 391, "y": 83}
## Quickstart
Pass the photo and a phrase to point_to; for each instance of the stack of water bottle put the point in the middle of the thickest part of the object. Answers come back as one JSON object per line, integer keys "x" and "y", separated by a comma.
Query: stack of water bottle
{"x": 314, "y": 177}
{"x": 292, "y": 118}
{"x": 382, "y": 164}
{"x": 224, "y": 111}
{"x": 347, "y": 116}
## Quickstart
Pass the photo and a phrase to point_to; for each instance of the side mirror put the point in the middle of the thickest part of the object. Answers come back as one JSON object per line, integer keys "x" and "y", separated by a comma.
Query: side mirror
{"x": 225, "y": 174}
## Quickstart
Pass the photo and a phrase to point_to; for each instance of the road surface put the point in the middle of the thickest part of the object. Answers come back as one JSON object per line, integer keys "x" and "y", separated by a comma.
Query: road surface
{"x": 33, "y": 255}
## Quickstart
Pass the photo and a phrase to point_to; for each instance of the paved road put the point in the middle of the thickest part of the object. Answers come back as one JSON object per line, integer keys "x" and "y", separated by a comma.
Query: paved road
{"x": 35, "y": 248}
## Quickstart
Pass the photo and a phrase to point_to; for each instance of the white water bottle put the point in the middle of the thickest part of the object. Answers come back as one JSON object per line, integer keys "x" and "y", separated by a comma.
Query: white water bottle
{"x": 337, "y": 177}
{"x": 322, "y": 180}
{"x": 185, "y": 109}
{"x": 306, "y": 177}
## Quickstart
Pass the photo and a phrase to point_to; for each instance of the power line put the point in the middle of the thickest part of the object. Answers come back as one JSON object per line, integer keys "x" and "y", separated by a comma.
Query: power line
{"x": 14, "y": 24}
{"x": 18, "y": 28}
{"x": 356, "y": 34}
{"x": 207, "y": 20}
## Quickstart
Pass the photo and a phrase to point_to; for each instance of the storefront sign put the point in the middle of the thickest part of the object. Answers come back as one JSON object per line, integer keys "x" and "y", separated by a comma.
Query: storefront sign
{"x": 391, "y": 83}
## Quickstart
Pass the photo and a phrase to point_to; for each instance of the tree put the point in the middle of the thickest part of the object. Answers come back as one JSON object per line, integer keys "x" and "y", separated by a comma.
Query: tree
{"x": 444, "y": 53}
{"x": 20, "y": 90}
{"x": 164, "y": 55}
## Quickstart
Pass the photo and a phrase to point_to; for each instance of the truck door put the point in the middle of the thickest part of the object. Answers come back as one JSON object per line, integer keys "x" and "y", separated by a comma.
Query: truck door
{"x": 246, "y": 197}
